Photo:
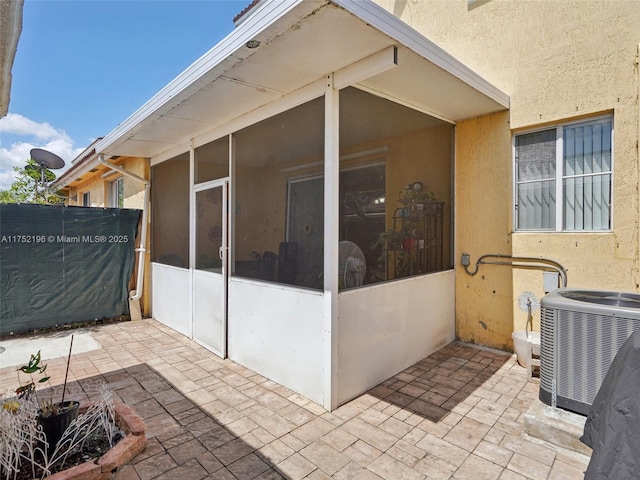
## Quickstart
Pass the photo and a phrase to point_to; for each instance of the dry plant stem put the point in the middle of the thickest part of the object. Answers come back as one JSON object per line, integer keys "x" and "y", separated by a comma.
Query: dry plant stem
{"x": 22, "y": 441}
{"x": 66, "y": 374}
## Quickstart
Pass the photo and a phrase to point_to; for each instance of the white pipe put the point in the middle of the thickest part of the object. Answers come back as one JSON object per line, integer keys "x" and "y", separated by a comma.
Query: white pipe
{"x": 142, "y": 249}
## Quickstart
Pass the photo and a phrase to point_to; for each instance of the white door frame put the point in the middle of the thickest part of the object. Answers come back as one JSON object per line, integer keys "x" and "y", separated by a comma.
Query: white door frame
{"x": 223, "y": 183}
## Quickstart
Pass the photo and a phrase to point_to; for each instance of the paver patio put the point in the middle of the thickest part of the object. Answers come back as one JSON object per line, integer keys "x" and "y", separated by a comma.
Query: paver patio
{"x": 458, "y": 414}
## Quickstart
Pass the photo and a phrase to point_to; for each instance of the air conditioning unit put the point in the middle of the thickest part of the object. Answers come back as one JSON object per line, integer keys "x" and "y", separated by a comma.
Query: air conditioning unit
{"x": 580, "y": 333}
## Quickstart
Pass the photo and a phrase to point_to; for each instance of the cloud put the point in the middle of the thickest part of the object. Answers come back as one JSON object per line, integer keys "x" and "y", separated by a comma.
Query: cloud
{"x": 29, "y": 134}
{"x": 19, "y": 125}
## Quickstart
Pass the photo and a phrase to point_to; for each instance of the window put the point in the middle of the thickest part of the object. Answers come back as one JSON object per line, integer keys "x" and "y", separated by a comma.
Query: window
{"x": 362, "y": 217}
{"x": 116, "y": 193}
{"x": 570, "y": 162}
{"x": 278, "y": 204}
{"x": 170, "y": 212}
{"x": 395, "y": 186}
{"x": 212, "y": 161}
{"x": 86, "y": 199}
{"x": 268, "y": 244}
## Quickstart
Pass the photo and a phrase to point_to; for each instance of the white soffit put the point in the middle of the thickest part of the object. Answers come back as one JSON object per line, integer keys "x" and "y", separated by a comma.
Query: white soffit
{"x": 301, "y": 42}
{"x": 428, "y": 88}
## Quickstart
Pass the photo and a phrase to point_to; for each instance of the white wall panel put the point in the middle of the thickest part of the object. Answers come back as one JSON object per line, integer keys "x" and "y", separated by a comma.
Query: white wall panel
{"x": 209, "y": 322}
{"x": 276, "y": 331}
{"x": 171, "y": 297}
{"x": 385, "y": 328}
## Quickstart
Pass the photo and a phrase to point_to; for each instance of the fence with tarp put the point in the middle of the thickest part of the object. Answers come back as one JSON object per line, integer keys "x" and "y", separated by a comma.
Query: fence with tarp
{"x": 62, "y": 265}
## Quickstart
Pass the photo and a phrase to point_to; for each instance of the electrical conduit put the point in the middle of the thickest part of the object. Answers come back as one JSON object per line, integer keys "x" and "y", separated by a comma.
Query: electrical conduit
{"x": 519, "y": 262}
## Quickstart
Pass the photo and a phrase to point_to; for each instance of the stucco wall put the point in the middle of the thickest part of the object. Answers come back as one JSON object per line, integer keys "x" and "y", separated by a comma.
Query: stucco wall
{"x": 482, "y": 179}
{"x": 557, "y": 64}
{"x": 97, "y": 186}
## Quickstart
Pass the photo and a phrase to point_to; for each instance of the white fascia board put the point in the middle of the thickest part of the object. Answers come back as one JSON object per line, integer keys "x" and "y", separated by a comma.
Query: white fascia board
{"x": 395, "y": 28}
{"x": 265, "y": 16}
{"x": 298, "y": 97}
{"x": 294, "y": 99}
{"x": 83, "y": 169}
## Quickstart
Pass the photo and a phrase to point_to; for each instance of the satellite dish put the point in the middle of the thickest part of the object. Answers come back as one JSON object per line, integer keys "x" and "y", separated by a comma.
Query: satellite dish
{"x": 46, "y": 159}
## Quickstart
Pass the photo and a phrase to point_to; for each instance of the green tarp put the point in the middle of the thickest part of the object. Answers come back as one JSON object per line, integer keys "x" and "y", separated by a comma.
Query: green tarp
{"x": 60, "y": 265}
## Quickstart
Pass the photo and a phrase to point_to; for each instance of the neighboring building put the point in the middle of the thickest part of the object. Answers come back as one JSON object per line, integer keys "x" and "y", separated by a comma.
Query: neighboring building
{"x": 418, "y": 133}
{"x": 91, "y": 183}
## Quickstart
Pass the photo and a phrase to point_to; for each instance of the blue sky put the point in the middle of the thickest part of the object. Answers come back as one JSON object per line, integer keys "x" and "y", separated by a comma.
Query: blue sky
{"x": 83, "y": 66}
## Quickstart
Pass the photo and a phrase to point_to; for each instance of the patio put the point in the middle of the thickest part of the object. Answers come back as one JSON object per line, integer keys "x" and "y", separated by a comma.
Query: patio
{"x": 459, "y": 413}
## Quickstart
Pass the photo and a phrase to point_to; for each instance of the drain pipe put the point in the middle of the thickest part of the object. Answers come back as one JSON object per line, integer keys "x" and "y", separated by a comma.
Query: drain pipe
{"x": 519, "y": 262}
{"x": 134, "y": 296}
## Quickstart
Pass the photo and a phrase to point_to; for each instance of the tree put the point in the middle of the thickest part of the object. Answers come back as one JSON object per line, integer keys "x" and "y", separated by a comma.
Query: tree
{"x": 28, "y": 187}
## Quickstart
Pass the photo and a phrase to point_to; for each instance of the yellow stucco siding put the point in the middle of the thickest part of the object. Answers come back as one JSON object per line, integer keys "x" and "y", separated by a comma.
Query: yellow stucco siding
{"x": 593, "y": 260}
{"x": 133, "y": 189}
{"x": 483, "y": 182}
{"x": 96, "y": 191}
{"x": 98, "y": 186}
{"x": 556, "y": 64}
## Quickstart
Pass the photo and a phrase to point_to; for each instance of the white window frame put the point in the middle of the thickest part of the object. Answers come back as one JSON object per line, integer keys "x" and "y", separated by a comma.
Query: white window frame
{"x": 114, "y": 193}
{"x": 560, "y": 177}
{"x": 86, "y": 198}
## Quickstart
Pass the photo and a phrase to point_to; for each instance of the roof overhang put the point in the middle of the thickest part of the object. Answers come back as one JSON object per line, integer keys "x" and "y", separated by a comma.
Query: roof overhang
{"x": 82, "y": 169}
{"x": 10, "y": 29}
{"x": 81, "y": 172}
{"x": 300, "y": 42}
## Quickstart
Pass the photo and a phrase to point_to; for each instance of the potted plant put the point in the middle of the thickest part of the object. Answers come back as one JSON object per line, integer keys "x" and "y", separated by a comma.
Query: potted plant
{"x": 412, "y": 196}
{"x": 54, "y": 417}
{"x": 394, "y": 246}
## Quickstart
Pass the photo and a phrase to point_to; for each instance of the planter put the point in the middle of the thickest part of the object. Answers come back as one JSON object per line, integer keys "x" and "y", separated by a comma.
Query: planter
{"x": 54, "y": 426}
{"x": 103, "y": 468}
{"x": 409, "y": 244}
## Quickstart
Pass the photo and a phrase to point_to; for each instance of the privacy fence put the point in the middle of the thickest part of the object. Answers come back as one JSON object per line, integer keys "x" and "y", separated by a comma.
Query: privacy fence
{"x": 60, "y": 265}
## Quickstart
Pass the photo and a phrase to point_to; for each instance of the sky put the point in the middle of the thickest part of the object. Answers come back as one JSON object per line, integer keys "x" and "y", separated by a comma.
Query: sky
{"x": 84, "y": 66}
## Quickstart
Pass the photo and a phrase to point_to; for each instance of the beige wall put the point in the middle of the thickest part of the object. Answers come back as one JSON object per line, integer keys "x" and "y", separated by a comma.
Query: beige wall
{"x": 95, "y": 186}
{"x": 558, "y": 61}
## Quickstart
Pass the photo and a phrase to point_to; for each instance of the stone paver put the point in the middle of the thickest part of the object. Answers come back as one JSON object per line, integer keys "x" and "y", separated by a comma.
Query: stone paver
{"x": 457, "y": 414}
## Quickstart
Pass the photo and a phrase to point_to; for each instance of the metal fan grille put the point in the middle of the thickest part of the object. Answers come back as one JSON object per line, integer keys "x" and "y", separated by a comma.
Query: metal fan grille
{"x": 352, "y": 264}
